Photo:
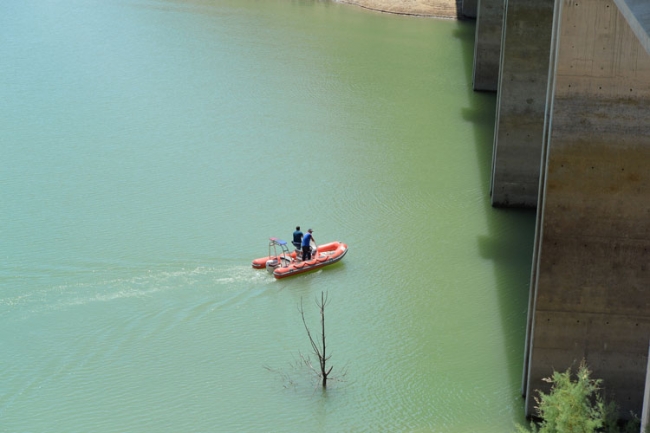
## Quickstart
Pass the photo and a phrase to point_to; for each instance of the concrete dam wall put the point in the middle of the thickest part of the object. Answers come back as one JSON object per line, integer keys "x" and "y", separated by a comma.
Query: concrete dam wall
{"x": 572, "y": 139}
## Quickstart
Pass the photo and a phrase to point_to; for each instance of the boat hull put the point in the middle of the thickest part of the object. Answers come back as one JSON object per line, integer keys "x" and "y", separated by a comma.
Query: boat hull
{"x": 325, "y": 255}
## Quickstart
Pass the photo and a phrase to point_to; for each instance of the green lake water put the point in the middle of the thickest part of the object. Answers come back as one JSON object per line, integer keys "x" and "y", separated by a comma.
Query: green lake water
{"x": 149, "y": 150}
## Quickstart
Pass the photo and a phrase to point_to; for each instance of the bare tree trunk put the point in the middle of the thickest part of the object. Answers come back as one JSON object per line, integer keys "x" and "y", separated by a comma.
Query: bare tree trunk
{"x": 319, "y": 350}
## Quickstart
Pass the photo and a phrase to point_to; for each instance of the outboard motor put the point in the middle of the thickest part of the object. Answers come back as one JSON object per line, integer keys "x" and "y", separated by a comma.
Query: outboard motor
{"x": 277, "y": 262}
{"x": 272, "y": 265}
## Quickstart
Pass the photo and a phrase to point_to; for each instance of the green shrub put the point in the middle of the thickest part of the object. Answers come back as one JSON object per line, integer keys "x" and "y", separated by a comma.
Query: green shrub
{"x": 571, "y": 406}
{"x": 576, "y": 406}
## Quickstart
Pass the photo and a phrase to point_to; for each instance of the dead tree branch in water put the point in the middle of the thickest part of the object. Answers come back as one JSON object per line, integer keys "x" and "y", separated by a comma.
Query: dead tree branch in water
{"x": 319, "y": 349}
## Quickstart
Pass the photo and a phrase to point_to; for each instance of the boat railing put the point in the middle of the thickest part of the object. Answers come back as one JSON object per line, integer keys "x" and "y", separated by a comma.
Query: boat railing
{"x": 284, "y": 255}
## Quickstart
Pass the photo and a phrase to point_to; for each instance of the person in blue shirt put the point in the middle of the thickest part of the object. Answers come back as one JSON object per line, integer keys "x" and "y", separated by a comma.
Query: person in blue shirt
{"x": 306, "y": 248}
{"x": 297, "y": 238}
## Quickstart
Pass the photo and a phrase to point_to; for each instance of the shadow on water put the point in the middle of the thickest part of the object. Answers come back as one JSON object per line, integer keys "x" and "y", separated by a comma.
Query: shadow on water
{"x": 510, "y": 232}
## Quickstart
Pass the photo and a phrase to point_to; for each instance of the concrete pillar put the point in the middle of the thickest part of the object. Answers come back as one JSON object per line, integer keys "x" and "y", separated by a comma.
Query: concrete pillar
{"x": 592, "y": 288}
{"x": 521, "y": 102}
{"x": 470, "y": 8}
{"x": 532, "y": 296}
{"x": 487, "y": 47}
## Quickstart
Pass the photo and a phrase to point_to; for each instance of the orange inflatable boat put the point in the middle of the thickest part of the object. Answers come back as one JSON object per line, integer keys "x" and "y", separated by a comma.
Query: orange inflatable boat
{"x": 282, "y": 263}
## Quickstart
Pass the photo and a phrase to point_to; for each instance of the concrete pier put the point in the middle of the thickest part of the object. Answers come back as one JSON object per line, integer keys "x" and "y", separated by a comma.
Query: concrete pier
{"x": 572, "y": 138}
{"x": 521, "y": 102}
{"x": 590, "y": 294}
{"x": 487, "y": 46}
{"x": 469, "y": 8}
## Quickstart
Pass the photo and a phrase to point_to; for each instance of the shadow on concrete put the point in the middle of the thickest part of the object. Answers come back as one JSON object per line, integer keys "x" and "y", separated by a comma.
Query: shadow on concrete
{"x": 459, "y": 10}
{"x": 510, "y": 238}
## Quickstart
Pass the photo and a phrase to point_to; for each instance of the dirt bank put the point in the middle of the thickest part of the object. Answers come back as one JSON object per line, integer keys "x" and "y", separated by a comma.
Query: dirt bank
{"x": 449, "y": 9}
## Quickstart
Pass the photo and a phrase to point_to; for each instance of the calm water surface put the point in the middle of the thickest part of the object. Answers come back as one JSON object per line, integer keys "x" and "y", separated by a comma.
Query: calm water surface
{"x": 151, "y": 147}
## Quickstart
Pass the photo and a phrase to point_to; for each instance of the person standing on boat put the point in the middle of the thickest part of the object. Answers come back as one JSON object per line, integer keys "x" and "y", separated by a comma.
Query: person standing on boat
{"x": 306, "y": 247}
{"x": 297, "y": 238}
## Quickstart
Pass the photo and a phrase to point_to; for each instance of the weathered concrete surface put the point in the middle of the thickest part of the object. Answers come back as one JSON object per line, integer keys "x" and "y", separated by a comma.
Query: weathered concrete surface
{"x": 521, "y": 102}
{"x": 592, "y": 291}
{"x": 637, "y": 14}
{"x": 470, "y": 8}
{"x": 487, "y": 46}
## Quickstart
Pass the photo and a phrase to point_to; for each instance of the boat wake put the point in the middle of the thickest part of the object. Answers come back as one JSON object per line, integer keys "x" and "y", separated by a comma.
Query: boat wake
{"x": 144, "y": 283}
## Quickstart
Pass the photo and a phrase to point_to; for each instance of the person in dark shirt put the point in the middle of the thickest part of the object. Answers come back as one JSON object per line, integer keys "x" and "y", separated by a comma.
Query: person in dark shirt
{"x": 306, "y": 248}
{"x": 297, "y": 238}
